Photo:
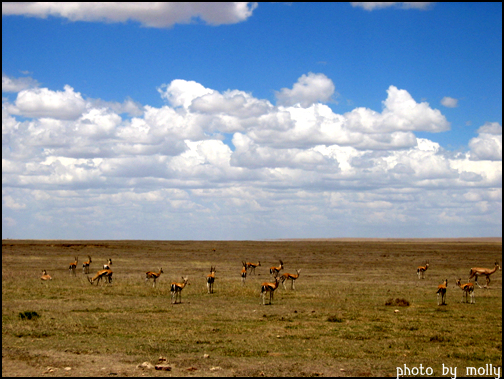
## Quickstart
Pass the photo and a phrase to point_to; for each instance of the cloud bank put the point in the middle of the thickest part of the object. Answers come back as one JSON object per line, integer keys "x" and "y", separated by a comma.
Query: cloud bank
{"x": 228, "y": 165}
{"x": 152, "y": 14}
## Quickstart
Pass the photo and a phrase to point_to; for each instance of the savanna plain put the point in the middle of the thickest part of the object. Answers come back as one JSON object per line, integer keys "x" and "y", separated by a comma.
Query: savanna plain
{"x": 334, "y": 323}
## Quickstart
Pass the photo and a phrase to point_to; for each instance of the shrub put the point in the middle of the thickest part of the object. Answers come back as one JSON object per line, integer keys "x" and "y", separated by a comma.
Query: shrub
{"x": 398, "y": 302}
{"x": 28, "y": 315}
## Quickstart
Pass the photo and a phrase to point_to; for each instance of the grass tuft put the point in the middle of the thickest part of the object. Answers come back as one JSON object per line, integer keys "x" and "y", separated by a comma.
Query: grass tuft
{"x": 28, "y": 315}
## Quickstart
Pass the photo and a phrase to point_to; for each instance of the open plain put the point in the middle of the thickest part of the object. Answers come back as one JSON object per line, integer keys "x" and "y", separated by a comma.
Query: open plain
{"x": 335, "y": 323}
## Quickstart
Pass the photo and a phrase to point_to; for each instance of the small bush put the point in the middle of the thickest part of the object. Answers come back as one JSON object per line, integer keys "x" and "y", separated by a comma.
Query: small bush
{"x": 28, "y": 315}
{"x": 398, "y": 302}
{"x": 334, "y": 319}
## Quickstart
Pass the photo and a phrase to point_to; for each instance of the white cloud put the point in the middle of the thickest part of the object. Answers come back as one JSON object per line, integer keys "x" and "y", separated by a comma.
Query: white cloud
{"x": 449, "y": 102}
{"x": 238, "y": 163}
{"x": 9, "y": 202}
{"x": 309, "y": 89}
{"x": 42, "y": 102}
{"x": 154, "y": 14}
{"x": 488, "y": 144}
{"x": 10, "y": 84}
{"x": 402, "y": 5}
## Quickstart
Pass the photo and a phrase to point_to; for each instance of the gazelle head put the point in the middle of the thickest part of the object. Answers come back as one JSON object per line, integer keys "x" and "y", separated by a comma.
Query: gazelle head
{"x": 281, "y": 263}
{"x": 161, "y": 270}
{"x": 497, "y": 265}
{"x": 212, "y": 270}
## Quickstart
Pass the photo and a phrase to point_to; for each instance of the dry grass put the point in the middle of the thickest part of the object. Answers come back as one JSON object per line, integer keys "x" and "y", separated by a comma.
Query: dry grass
{"x": 336, "y": 322}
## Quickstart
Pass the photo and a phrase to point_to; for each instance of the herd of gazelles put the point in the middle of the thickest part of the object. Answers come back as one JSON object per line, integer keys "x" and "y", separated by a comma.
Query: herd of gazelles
{"x": 467, "y": 288}
{"x": 270, "y": 287}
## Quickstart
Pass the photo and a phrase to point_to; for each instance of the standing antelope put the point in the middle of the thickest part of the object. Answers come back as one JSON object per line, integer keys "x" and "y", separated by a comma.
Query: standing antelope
{"x": 276, "y": 270}
{"x": 244, "y": 272}
{"x": 85, "y": 266}
{"x": 421, "y": 270}
{"x": 211, "y": 279}
{"x": 468, "y": 289}
{"x": 176, "y": 290}
{"x": 107, "y": 266}
{"x": 107, "y": 274}
{"x": 478, "y": 271}
{"x": 269, "y": 287}
{"x": 73, "y": 265}
{"x": 252, "y": 266}
{"x": 45, "y": 276}
{"x": 442, "y": 291}
{"x": 290, "y": 277}
{"x": 153, "y": 275}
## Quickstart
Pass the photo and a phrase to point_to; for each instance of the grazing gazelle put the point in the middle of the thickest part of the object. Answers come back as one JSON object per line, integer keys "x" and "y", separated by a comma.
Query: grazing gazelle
{"x": 107, "y": 274}
{"x": 478, "y": 271}
{"x": 252, "y": 266}
{"x": 421, "y": 270}
{"x": 275, "y": 270}
{"x": 85, "y": 266}
{"x": 211, "y": 279}
{"x": 176, "y": 290}
{"x": 442, "y": 291}
{"x": 244, "y": 272}
{"x": 73, "y": 265}
{"x": 153, "y": 275}
{"x": 269, "y": 287}
{"x": 468, "y": 289}
{"x": 290, "y": 277}
{"x": 45, "y": 276}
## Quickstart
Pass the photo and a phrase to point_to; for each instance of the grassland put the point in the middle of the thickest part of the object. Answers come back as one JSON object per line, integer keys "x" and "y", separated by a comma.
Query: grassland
{"x": 335, "y": 323}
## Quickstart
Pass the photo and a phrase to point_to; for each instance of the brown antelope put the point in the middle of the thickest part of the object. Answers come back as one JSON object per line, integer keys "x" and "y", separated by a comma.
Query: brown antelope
{"x": 176, "y": 290}
{"x": 442, "y": 291}
{"x": 478, "y": 271}
{"x": 468, "y": 289}
{"x": 107, "y": 266}
{"x": 252, "y": 266}
{"x": 85, "y": 266}
{"x": 421, "y": 270}
{"x": 276, "y": 270}
{"x": 211, "y": 279}
{"x": 269, "y": 287}
{"x": 45, "y": 276}
{"x": 73, "y": 266}
{"x": 153, "y": 275}
{"x": 107, "y": 274}
{"x": 244, "y": 272}
{"x": 290, "y": 277}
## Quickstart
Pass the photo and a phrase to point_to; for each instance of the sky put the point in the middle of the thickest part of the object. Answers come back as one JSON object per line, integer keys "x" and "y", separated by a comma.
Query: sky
{"x": 247, "y": 121}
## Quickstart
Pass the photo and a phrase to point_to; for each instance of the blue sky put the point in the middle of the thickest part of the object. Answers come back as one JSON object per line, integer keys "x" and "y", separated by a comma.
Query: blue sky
{"x": 251, "y": 121}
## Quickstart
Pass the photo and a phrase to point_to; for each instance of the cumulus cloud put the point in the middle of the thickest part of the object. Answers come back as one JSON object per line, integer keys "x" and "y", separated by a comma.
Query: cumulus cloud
{"x": 157, "y": 15}
{"x": 402, "y": 5}
{"x": 309, "y": 89}
{"x": 488, "y": 144}
{"x": 42, "y": 102}
{"x": 10, "y": 84}
{"x": 206, "y": 155}
{"x": 449, "y": 102}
